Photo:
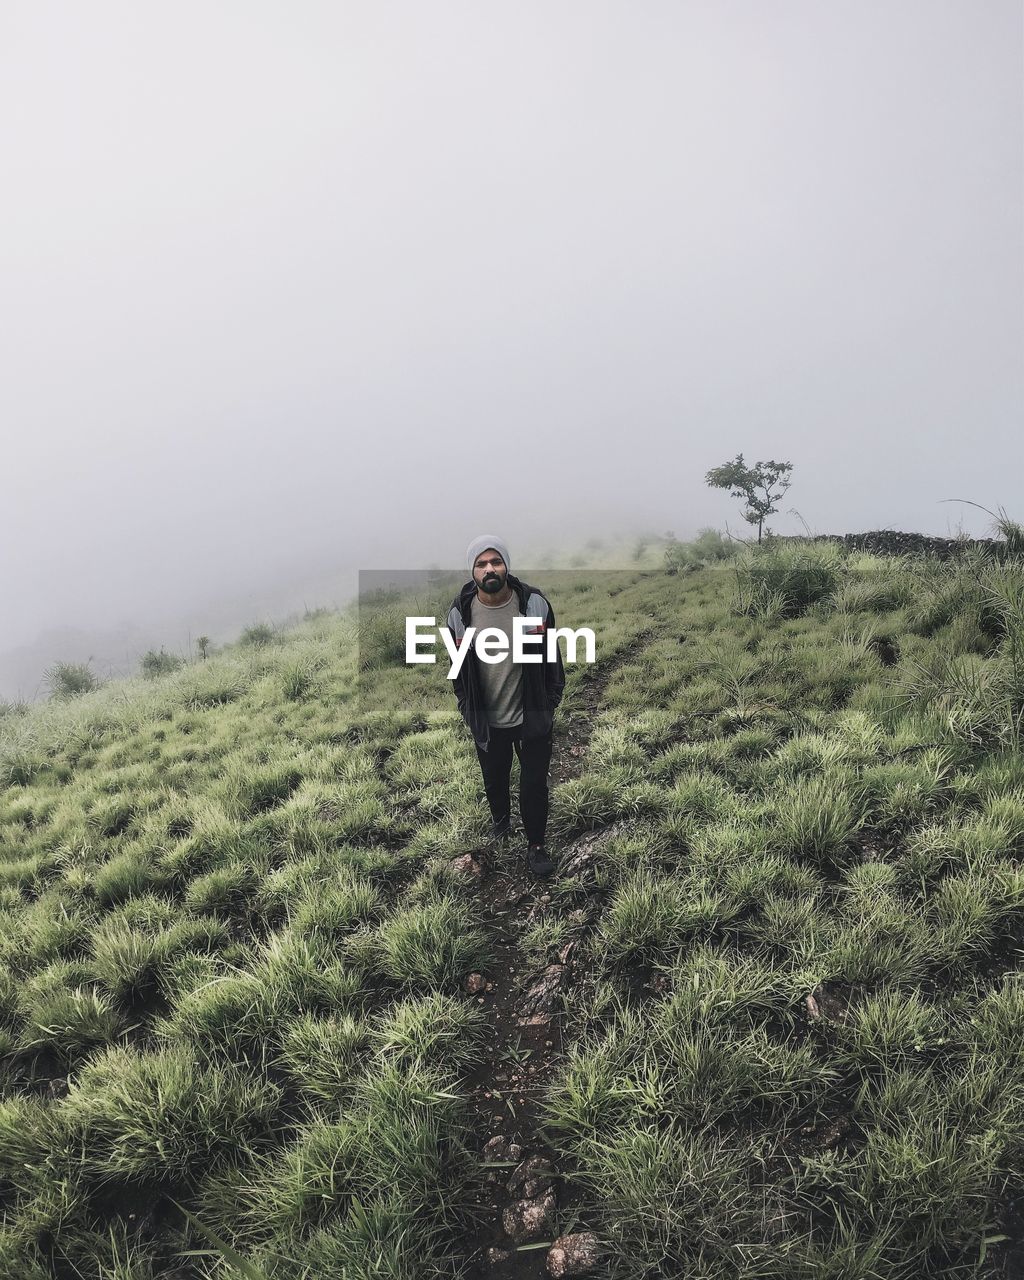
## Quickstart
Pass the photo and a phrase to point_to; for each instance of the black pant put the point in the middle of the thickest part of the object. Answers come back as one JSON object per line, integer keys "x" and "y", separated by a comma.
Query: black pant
{"x": 496, "y": 765}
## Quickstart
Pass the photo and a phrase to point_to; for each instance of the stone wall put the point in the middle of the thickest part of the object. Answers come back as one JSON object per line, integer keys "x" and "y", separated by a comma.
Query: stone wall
{"x": 891, "y": 542}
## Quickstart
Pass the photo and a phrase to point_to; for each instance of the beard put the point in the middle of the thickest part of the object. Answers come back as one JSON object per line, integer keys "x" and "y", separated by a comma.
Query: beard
{"x": 492, "y": 584}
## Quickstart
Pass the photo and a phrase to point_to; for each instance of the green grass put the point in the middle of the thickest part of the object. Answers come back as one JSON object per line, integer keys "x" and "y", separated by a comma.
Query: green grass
{"x": 232, "y": 946}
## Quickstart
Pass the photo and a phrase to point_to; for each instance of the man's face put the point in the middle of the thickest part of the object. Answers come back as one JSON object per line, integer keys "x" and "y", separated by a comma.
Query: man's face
{"x": 489, "y": 572}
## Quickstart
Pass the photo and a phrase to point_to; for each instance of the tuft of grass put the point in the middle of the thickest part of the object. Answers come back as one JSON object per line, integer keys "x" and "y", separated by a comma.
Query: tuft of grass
{"x": 160, "y": 1117}
{"x": 64, "y": 1012}
{"x": 298, "y": 676}
{"x": 784, "y": 582}
{"x": 435, "y": 1029}
{"x": 641, "y": 922}
{"x": 890, "y": 1029}
{"x": 68, "y": 680}
{"x": 226, "y": 892}
{"x": 257, "y": 635}
{"x": 583, "y": 804}
{"x": 162, "y": 663}
{"x": 818, "y": 817}
{"x": 330, "y": 911}
{"x": 132, "y": 874}
{"x": 131, "y": 952}
{"x": 433, "y": 943}
{"x": 392, "y": 1148}
{"x": 322, "y": 1054}
{"x": 247, "y": 791}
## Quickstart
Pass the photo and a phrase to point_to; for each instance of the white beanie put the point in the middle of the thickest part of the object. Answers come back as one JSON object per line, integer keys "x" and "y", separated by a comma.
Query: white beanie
{"x": 483, "y": 543}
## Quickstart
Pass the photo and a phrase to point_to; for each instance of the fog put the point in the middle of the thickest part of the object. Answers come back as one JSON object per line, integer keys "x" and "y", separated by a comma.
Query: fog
{"x": 292, "y": 290}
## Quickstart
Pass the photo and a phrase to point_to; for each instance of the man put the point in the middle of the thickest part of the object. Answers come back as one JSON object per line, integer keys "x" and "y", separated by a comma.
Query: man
{"x": 508, "y": 705}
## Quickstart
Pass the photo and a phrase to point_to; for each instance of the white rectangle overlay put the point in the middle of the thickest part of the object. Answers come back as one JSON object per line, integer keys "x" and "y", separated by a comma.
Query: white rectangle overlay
{"x": 492, "y": 642}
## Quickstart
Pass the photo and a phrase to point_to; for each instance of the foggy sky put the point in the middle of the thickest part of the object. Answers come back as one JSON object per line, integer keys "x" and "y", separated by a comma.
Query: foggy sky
{"x": 286, "y": 289}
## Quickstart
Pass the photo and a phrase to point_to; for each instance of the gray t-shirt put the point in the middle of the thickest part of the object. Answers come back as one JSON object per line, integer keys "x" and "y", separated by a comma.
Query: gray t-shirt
{"x": 501, "y": 682}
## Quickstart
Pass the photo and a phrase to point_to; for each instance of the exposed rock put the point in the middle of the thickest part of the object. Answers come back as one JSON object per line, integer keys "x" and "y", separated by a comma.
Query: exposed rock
{"x": 467, "y": 865}
{"x": 813, "y": 1012}
{"x": 475, "y": 983}
{"x": 578, "y": 858}
{"x": 533, "y": 1177}
{"x": 57, "y": 1087}
{"x": 831, "y": 1002}
{"x": 500, "y": 1151}
{"x": 499, "y": 1148}
{"x": 527, "y": 1220}
{"x": 574, "y": 1254}
{"x": 887, "y": 650}
{"x": 543, "y": 997}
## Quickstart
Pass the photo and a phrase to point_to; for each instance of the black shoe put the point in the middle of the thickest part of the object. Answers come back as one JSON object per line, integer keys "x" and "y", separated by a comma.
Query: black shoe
{"x": 538, "y": 860}
{"x": 501, "y": 831}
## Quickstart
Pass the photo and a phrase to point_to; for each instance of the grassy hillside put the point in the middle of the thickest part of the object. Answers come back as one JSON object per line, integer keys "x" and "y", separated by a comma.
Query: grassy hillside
{"x": 786, "y": 1036}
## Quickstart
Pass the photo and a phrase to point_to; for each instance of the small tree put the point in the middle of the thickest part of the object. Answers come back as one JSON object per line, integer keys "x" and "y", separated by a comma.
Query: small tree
{"x": 203, "y": 645}
{"x": 760, "y": 486}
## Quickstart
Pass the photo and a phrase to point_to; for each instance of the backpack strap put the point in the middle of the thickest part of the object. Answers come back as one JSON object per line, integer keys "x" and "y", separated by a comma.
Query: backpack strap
{"x": 455, "y": 624}
{"x": 537, "y": 607}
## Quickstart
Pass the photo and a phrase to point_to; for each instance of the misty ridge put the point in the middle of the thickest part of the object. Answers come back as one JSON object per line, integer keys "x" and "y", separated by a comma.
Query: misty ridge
{"x": 67, "y": 661}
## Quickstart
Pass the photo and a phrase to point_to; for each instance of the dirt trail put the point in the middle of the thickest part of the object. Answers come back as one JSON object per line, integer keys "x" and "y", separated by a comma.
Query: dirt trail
{"x": 523, "y": 998}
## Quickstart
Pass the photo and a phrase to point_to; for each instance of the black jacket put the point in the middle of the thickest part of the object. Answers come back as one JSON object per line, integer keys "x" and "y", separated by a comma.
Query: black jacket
{"x": 543, "y": 682}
